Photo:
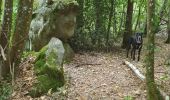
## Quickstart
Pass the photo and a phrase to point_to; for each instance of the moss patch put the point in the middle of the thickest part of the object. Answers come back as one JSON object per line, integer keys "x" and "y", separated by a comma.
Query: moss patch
{"x": 49, "y": 74}
{"x": 45, "y": 83}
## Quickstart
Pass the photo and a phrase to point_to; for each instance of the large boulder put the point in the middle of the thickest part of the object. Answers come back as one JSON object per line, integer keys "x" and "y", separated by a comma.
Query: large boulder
{"x": 52, "y": 18}
{"x": 49, "y": 68}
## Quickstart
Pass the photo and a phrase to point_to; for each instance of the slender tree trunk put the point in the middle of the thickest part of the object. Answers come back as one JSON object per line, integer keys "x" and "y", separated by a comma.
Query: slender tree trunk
{"x": 128, "y": 26}
{"x": 145, "y": 29}
{"x": 4, "y": 36}
{"x": 0, "y": 8}
{"x": 79, "y": 33}
{"x": 139, "y": 13}
{"x": 152, "y": 91}
{"x": 21, "y": 30}
{"x": 114, "y": 18}
{"x": 99, "y": 27}
{"x": 168, "y": 25}
{"x": 98, "y": 21}
{"x": 122, "y": 19}
{"x": 109, "y": 24}
{"x": 137, "y": 21}
{"x": 80, "y": 17}
{"x": 6, "y": 25}
{"x": 115, "y": 33}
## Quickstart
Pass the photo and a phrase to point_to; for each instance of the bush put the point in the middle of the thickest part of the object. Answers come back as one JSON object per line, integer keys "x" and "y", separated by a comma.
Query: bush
{"x": 5, "y": 91}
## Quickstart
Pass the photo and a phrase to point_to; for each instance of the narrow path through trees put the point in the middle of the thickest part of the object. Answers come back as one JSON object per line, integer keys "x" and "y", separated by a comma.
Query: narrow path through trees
{"x": 108, "y": 81}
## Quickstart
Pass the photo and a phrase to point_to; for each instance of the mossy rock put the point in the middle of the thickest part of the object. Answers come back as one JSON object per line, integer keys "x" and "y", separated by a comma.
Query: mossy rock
{"x": 69, "y": 53}
{"x": 50, "y": 74}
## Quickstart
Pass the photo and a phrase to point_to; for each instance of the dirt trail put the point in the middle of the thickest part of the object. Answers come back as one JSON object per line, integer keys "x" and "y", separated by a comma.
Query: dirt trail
{"x": 111, "y": 80}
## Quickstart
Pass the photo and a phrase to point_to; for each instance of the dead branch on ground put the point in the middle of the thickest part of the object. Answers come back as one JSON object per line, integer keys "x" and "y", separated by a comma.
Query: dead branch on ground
{"x": 87, "y": 64}
{"x": 142, "y": 77}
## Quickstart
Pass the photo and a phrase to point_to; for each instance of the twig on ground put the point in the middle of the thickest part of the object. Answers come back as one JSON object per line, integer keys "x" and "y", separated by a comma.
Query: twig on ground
{"x": 86, "y": 64}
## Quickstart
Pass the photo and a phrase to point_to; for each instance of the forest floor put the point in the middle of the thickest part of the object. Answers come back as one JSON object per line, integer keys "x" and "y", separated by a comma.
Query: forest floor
{"x": 103, "y": 76}
{"x": 106, "y": 77}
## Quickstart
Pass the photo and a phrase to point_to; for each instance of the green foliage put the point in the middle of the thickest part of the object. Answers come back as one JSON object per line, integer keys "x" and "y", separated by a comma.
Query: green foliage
{"x": 5, "y": 91}
{"x": 41, "y": 53}
{"x": 128, "y": 98}
{"x": 51, "y": 60}
{"x": 157, "y": 49}
{"x": 45, "y": 83}
{"x": 165, "y": 77}
{"x": 90, "y": 36}
{"x": 60, "y": 4}
{"x": 87, "y": 33}
{"x": 41, "y": 66}
{"x": 26, "y": 54}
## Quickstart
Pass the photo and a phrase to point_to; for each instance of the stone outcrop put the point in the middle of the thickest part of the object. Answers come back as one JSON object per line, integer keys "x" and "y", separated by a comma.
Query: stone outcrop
{"x": 52, "y": 18}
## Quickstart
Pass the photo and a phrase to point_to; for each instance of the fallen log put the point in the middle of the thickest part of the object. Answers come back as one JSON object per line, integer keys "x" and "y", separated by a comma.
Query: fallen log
{"x": 135, "y": 70}
{"x": 142, "y": 77}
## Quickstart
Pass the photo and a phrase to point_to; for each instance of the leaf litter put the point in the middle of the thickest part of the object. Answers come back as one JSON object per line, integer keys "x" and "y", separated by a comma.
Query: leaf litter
{"x": 99, "y": 76}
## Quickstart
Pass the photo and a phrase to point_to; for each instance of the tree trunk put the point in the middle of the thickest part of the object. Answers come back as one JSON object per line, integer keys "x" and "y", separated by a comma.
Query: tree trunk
{"x": 128, "y": 26}
{"x": 7, "y": 22}
{"x": 168, "y": 25}
{"x": 145, "y": 29}
{"x": 99, "y": 27}
{"x": 109, "y": 23}
{"x": 21, "y": 30}
{"x": 152, "y": 91}
{"x": 0, "y": 8}
{"x": 139, "y": 13}
{"x": 122, "y": 20}
{"x": 5, "y": 35}
{"x": 80, "y": 17}
{"x": 79, "y": 33}
{"x": 114, "y": 18}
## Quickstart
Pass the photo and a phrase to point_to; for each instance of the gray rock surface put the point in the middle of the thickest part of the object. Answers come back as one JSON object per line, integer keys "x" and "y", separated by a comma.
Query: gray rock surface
{"x": 52, "y": 18}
